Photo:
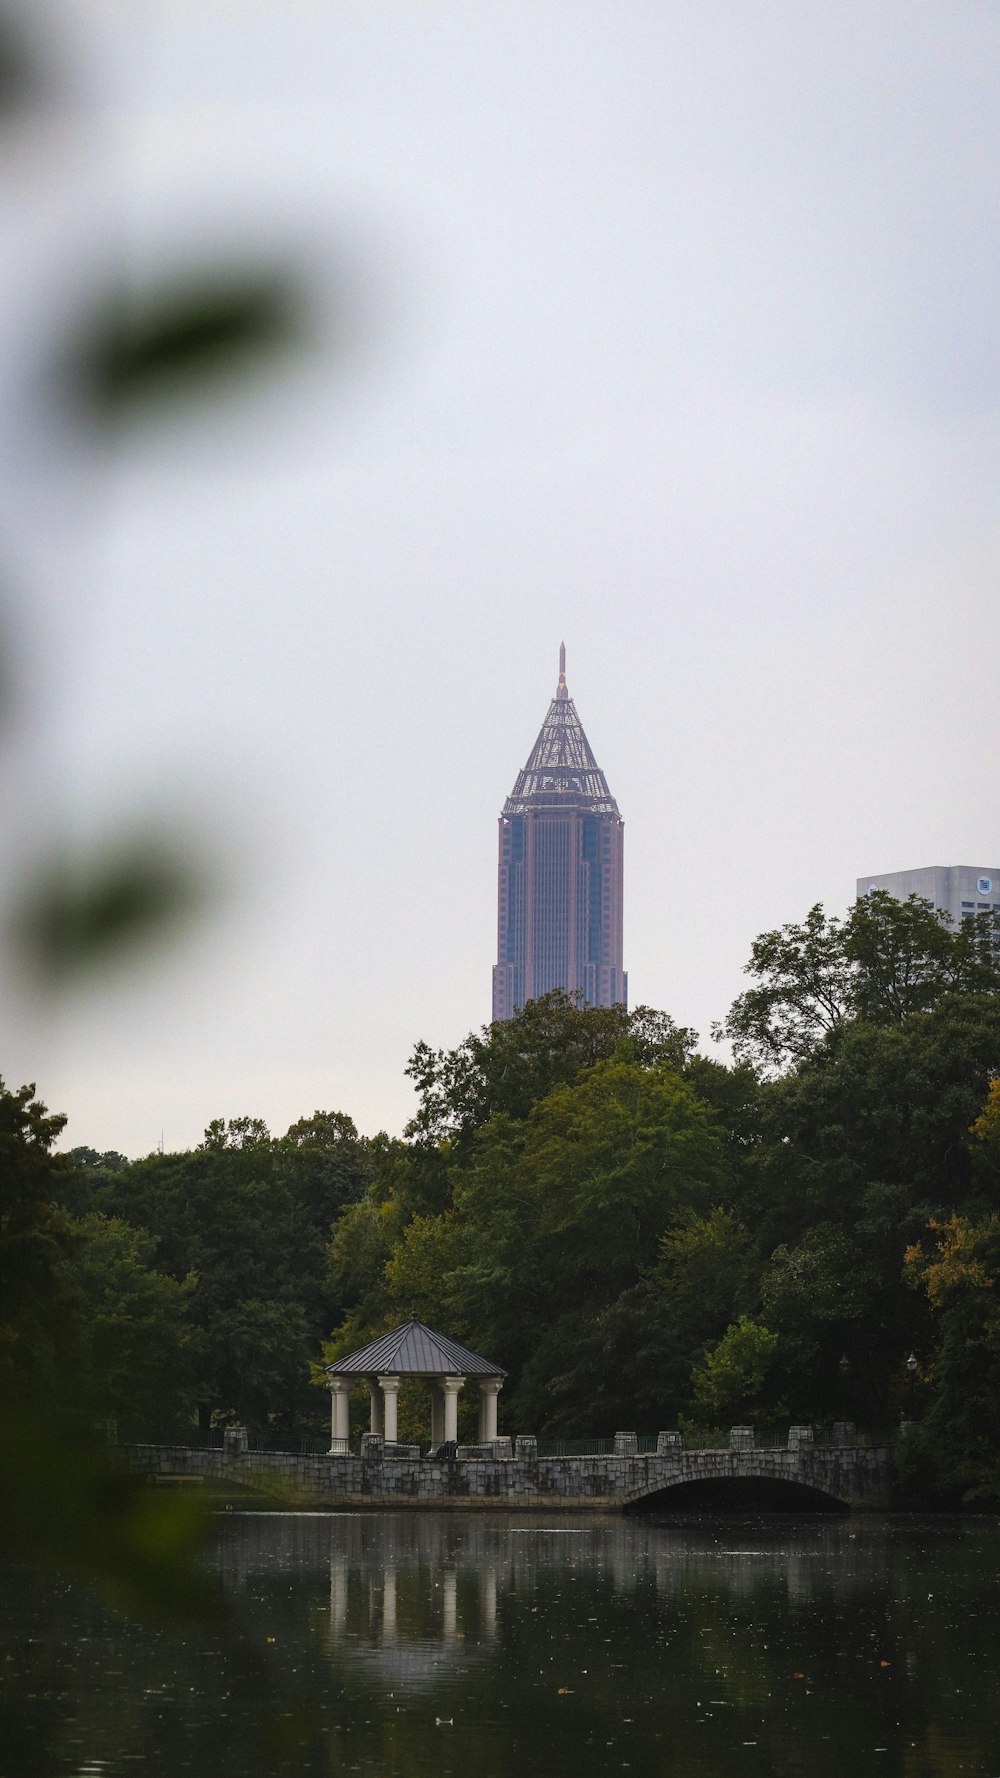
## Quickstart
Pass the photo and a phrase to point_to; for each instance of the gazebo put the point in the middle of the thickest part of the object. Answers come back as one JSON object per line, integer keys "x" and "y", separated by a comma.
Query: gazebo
{"x": 413, "y": 1350}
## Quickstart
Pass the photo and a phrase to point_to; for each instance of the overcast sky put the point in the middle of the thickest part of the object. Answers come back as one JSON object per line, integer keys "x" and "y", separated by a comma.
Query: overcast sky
{"x": 669, "y": 330}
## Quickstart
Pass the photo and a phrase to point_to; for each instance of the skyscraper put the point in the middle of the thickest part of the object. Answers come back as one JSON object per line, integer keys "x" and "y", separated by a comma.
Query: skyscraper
{"x": 560, "y": 880}
{"x": 961, "y": 890}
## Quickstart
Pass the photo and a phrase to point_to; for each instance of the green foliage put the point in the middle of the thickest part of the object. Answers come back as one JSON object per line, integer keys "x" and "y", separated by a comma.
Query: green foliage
{"x": 136, "y": 352}
{"x": 860, "y": 1145}
{"x": 360, "y": 1251}
{"x": 508, "y": 1067}
{"x": 952, "y": 1454}
{"x": 74, "y": 918}
{"x": 827, "y": 1297}
{"x": 642, "y": 1234}
{"x": 132, "y": 1347}
{"x": 552, "y": 1218}
{"x": 602, "y": 1242}
{"x": 84, "y": 1314}
{"x": 243, "y": 1223}
{"x": 803, "y": 993}
{"x": 35, "y": 1237}
{"x": 21, "y": 79}
{"x": 881, "y": 964}
{"x": 65, "y": 1503}
{"x": 87, "y": 1322}
{"x": 638, "y": 1234}
{"x": 701, "y": 1277}
{"x": 86, "y": 1328}
{"x": 87, "y": 1160}
{"x": 729, "y": 1383}
{"x": 885, "y": 1103}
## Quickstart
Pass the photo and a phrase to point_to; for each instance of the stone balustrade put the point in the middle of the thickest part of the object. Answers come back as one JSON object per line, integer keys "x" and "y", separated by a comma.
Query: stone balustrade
{"x": 490, "y": 1475}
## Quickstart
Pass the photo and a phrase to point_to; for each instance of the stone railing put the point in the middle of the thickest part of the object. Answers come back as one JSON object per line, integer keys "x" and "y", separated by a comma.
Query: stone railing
{"x": 495, "y": 1447}
{"x": 397, "y": 1475}
{"x": 236, "y": 1442}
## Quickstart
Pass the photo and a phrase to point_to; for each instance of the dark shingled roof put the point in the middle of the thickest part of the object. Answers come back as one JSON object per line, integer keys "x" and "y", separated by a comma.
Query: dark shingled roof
{"x": 413, "y": 1350}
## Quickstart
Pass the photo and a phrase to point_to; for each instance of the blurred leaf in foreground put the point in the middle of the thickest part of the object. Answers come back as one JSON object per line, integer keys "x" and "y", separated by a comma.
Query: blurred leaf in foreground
{"x": 19, "y": 75}
{"x": 72, "y": 918}
{"x": 65, "y": 1502}
{"x": 137, "y": 351}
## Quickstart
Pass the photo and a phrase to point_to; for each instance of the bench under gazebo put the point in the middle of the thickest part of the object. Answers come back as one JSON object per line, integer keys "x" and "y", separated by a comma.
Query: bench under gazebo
{"x": 413, "y": 1352}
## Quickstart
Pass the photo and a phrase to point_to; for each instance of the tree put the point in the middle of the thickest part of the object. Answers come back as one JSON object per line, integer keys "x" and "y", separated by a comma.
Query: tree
{"x": 860, "y": 1145}
{"x": 701, "y": 1278}
{"x": 985, "y": 1152}
{"x": 87, "y": 1325}
{"x": 552, "y": 1218}
{"x": 803, "y": 992}
{"x": 249, "y": 1218}
{"x": 73, "y": 1308}
{"x": 875, "y": 1124}
{"x": 132, "y": 1345}
{"x": 510, "y": 1065}
{"x": 952, "y": 1455}
{"x": 35, "y": 1236}
{"x": 244, "y": 1133}
{"x": 885, "y": 961}
{"x": 327, "y": 1165}
{"x": 729, "y": 1382}
{"x": 89, "y": 1172}
{"x": 87, "y": 1160}
{"x": 827, "y": 1297}
{"x": 986, "y": 1128}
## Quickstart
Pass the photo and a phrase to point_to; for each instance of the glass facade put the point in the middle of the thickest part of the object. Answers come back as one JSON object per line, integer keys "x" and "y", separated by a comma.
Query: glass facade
{"x": 560, "y": 874}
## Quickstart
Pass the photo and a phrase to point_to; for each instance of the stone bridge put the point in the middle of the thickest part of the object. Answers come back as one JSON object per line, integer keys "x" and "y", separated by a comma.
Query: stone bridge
{"x": 806, "y": 1478}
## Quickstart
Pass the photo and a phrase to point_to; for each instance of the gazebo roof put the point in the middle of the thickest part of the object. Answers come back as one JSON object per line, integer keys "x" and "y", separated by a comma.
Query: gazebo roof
{"x": 413, "y": 1350}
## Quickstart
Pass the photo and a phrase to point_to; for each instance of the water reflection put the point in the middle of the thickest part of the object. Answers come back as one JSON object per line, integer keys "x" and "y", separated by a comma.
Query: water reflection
{"x": 416, "y": 1643}
{"x": 407, "y": 1622}
{"x": 456, "y": 1572}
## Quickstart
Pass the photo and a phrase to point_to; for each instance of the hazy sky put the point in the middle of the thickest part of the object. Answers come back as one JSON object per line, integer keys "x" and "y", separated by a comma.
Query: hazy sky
{"x": 670, "y": 330}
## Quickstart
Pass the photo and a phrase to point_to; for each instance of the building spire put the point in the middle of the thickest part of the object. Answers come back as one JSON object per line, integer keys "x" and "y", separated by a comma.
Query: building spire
{"x": 561, "y": 768}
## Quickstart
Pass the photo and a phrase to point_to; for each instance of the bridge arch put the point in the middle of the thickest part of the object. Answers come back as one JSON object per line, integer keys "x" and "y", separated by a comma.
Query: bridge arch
{"x": 829, "y": 1479}
{"x": 737, "y": 1494}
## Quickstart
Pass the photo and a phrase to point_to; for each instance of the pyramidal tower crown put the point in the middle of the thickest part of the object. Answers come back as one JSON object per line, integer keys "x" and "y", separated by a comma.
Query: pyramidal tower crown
{"x": 560, "y": 872}
{"x": 561, "y": 767}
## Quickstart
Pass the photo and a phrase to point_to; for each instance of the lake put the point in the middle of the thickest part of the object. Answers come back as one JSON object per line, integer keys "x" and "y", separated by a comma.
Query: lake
{"x": 400, "y": 1645}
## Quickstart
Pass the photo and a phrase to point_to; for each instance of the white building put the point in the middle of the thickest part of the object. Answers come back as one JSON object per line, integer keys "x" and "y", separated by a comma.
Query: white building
{"x": 962, "y": 890}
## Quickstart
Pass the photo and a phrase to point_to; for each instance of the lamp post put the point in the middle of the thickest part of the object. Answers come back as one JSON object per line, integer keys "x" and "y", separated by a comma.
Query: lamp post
{"x": 844, "y": 1368}
{"x": 911, "y": 1371}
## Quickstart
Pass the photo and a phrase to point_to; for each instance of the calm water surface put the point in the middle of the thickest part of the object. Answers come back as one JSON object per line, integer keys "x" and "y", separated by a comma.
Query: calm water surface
{"x": 418, "y": 1644}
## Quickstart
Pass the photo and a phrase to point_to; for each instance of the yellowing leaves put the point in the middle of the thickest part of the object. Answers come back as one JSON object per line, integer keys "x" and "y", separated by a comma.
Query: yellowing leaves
{"x": 987, "y": 1126}
{"x": 958, "y": 1260}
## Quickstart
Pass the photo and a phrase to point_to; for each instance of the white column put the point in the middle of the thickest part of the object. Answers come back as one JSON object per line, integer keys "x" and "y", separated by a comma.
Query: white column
{"x": 340, "y": 1410}
{"x": 390, "y": 1391}
{"x": 376, "y": 1422}
{"x": 437, "y": 1414}
{"x": 489, "y": 1389}
{"x": 451, "y": 1387}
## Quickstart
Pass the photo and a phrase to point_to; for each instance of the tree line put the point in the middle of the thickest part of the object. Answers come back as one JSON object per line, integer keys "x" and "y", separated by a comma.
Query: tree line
{"x": 642, "y": 1235}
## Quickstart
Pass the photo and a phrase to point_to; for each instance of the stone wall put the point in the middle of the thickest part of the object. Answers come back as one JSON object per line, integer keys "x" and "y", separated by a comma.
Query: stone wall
{"x": 855, "y": 1476}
